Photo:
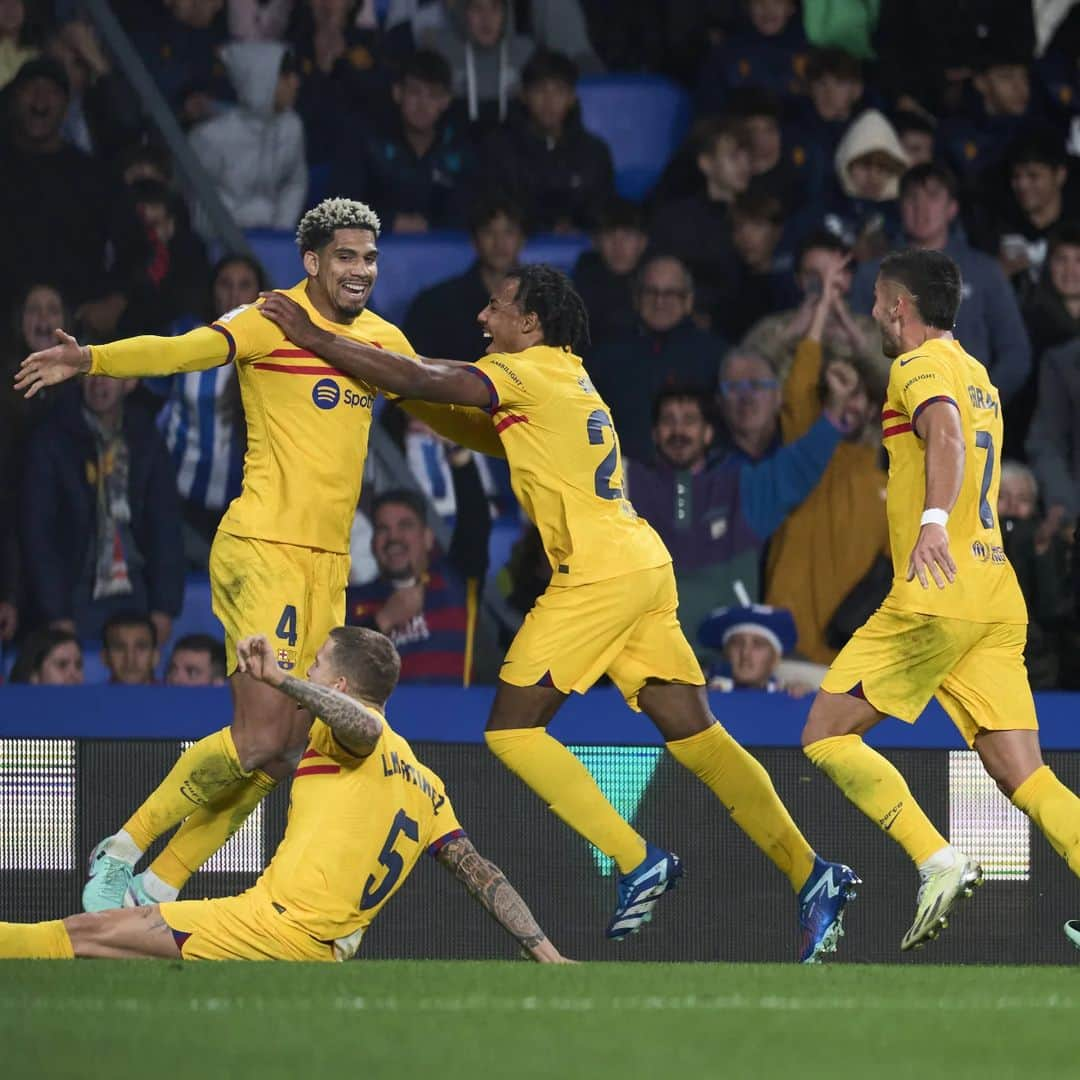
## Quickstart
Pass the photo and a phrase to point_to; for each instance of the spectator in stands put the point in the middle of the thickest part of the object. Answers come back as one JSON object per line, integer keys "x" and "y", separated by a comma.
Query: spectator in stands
{"x": 988, "y": 324}
{"x": 762, "y": 279}
{"x": 340, "y": 59}
{"x": 197, "y": 660}
{"x": 180, "y": 47}
{"x": 36, "y": 316}
{"x": 1039, "y": 203}
{"x": 850, "y": 566}
{"x": 58, "y": 206}
{"x": 917, "y": 133}
{"x": 102, "y": 112}
{"x": 202, "y": 420}
{"x": 975, "y": 139}
{"x": 753, "y": 639}
{"x": 168, "y": 261}
{"x": 1040, "y": 557}
{"x": 869, "y": 163}
{"x": 1053, "y": 444}
{"x": 560, "y": 174}
{"x": 771, "y": 170}
{"x": 846, "y": 336}
{"x": 425, "y": 601}
{"x": 17, "y": 39}
{"x": 254, "y": 152}
{"x": 100, "y": 518}
{"x": 697, "y": 229}
{"x": 715, "y": 513}
{"x": 604, "y": 276}
{"x": 1052, "y": 309}
{"x": 835, "y": 86}
{"x": 49, "y": 658}
{"x": 442, "y": 320}
{"x": 749, "y": 401}
{"x": 144, "y": 160}
{"x": 667, "y": 349}
{"x": 414, "y": 170}
{"x": 130, "y": 648}
{"x": 768, "y": 53}
{"x": 486, "y": 53}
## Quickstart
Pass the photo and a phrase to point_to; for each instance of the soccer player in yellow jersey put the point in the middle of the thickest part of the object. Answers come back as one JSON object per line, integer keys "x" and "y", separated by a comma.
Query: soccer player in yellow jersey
{"x": 363, "y": 810}
{"x": 611, "y": 605}
{"x": 954, "y": 623}
{"x": 280, "y": 561}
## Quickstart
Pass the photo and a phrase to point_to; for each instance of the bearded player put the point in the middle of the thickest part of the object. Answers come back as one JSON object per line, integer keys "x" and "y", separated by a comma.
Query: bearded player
{"x": 611, "y": 605}
{"x": 280, "y": 560}
{"x": 954, "y": 624}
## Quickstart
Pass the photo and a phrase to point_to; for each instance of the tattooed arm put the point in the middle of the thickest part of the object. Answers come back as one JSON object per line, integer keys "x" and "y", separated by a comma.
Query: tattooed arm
{"x": 487, "y": 883}
{"x": 355, "y": 726}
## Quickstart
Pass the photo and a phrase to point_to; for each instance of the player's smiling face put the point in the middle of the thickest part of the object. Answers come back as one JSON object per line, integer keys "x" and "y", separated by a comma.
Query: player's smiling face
{"x": 343, "y": 273}
{"x": 502, "y": 320}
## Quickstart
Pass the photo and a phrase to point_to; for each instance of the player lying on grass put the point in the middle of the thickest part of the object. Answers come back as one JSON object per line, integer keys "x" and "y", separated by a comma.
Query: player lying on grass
{"x": 611, "y": 606}
{"x": 363, "y": 809}
{"x": 281, "y": 554}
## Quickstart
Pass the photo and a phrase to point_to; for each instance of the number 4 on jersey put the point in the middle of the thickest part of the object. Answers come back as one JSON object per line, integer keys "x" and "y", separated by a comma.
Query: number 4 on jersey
{"x": 286, "y": 627}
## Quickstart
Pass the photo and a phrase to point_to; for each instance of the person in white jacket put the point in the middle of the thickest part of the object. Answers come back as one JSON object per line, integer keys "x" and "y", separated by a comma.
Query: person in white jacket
{"x": 254, "y": 151}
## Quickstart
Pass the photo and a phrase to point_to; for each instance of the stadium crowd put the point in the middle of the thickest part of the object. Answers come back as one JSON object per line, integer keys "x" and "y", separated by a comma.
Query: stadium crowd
{"x": 726, "y": 307}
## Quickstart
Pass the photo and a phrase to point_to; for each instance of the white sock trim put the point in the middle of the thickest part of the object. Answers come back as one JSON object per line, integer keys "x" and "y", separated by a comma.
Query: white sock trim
{"x": 158, "y": 890}
{"x": 940, "y": 860}
{"x": 122, "y": 847}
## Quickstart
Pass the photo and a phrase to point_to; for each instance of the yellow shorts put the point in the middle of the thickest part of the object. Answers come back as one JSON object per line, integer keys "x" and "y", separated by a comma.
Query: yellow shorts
{"x": 624, "y": 626}
{"x": 244, "y": 927}
{"x": 293, "y": 595}
{"x": 899, "y": 660}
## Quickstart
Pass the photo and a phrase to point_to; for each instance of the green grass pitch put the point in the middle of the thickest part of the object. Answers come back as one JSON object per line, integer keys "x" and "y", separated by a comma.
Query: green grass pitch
{"x": 376, "y": 1020}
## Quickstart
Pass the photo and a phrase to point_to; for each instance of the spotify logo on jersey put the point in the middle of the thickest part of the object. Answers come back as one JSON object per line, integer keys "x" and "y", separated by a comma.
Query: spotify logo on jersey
{"x": 326, "y": 393}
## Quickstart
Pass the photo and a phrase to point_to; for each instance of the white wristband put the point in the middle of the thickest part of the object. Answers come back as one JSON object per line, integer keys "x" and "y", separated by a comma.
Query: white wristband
{"x": 934, "y": 517}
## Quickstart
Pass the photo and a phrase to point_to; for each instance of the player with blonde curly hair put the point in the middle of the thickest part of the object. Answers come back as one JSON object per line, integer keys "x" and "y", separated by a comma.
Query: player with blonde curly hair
{"x": 280, "y": 560}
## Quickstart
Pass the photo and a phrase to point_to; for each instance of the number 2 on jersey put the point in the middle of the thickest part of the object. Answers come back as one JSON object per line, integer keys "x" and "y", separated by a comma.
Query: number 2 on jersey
{"x": 598, "y": 420}
{"x": 985, "y": 441}
{"x": 392, "y": 860}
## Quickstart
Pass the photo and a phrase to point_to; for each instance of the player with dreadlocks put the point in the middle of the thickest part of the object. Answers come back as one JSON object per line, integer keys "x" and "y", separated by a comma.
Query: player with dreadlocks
{"x": 611, "y": 603}
{"x": 280, "y": 560}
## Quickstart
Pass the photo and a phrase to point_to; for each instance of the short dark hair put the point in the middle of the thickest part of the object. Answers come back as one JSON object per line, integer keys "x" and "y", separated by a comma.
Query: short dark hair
{"x": 820, "y": 240}
{"x": 921, "y": 175}
{"x": 1065, "y": 234}
{"x": 550, "y": 295}
{"x": 709, "y": 130}
{"x": 546, "y": 64}
{"x": 36, "y": 650}
{"x": 430, "y": 67}
{"x": 682, "y": 393}
{"x": 491, "y": 205}
{"x": 1038, "y": 147}
{"x": 120, "y": 619}
{"x": 661, "y": 255}
{"x": 413, "y": 499}
{"x": 747, "y": 102}
{"x": 758, "y": 206}
{"x": 906, "y": 120}
{"x": 319, "y": 224}
{"x": 206, "y": 643}
{"x": 933, "y": 280}
{"x": 153, "y": 193}
{"x": 368, "y": 662}
{"x": 149, "y": 152}
{"x": 620, "y": 213}
{"x": 832, "y": 61}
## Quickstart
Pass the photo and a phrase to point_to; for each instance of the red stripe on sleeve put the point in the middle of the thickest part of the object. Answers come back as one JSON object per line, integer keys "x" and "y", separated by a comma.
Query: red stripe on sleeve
{"x": 890, "y": 414}
{"x": 508, "y": 420}
{"x": 898, "y": 429}
{"x": 316, "y": 770}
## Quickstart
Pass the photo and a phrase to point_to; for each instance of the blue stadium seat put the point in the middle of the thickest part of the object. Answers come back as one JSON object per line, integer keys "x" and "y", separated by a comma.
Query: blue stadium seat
{"x": 642, "y": 118}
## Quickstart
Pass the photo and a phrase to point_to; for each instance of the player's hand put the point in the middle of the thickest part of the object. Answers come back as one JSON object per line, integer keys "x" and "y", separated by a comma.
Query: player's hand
{"x": 401, "y": 607}
{"x": 286, "y": 313}
{"x": 54, "y": 365}
{"x": 930, "y": 558}
{"x": 255, "y": 656}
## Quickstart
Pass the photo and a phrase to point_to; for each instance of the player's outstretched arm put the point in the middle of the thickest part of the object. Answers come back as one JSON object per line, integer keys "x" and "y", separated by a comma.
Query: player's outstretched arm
{"x": 938, "y": 425}
{"x": 355, "y": 726}
{"x": 444, "y": 381}
{"x": 488, "y": 884}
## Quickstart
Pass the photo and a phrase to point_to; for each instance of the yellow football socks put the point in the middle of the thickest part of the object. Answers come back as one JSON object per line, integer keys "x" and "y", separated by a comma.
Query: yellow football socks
{"x": 568, "y": 788}
{"x": 879, "y": 791}
{"x": 200, "y": 774}
{"x": 1055, "y": 809}
{"x": 35, "y": 941}
{"x": 741, "y": 783}
{"x": 209, "y": 828}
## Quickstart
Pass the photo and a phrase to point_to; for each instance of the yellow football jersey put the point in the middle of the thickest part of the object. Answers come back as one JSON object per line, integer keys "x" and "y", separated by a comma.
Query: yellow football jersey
{"x": 356, "y": 828}
{"x": 985, "y": 589}
{"x": 307, "y": 422}
{"x": 565, "y": 465}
